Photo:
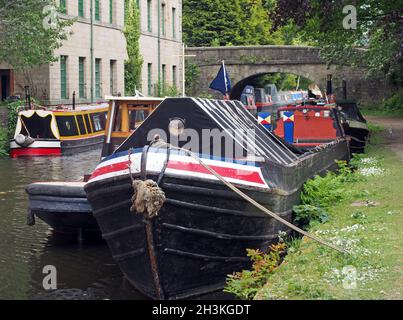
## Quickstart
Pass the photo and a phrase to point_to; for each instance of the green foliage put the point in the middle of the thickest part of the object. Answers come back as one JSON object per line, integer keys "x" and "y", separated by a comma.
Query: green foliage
{"x": 4, "y": 142}
{"x": 379, "y": 30}
{"x": 283, "y": 81}
{"x": 26, "y": 40}
{"x": 132, "y": 33}
{"x": 323, "y": 191}
{"x": 393, "y": 106}
{"x": 246, "y": 284}
{"x": 394, "y": 103}
{"x": 165, "y": 90}
{"x": 320, "y": 193}
{"x": 13, "y": 115}
{"x": 192, "y": 73}
{"x": 232, "y": 23}
{"x": 209, "y": 22}
{"x": 306, "y": 214}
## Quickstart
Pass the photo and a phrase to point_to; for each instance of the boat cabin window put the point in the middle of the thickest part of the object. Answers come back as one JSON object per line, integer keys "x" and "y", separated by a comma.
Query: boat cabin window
{"x": 67, "y": 126}
{"x": 98, "y": 121}
{"x": 118, "y": 121}
{"x": 80, "y": 121}
{"x": 137, "y": 117}
{"x": 244, "y": 100}
{"x": 87, "y": 123}
{"x": 37, "y": 127}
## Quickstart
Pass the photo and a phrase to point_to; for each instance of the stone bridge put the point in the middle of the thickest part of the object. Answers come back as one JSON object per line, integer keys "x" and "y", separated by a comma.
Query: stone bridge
{"x": 246, "y": 63}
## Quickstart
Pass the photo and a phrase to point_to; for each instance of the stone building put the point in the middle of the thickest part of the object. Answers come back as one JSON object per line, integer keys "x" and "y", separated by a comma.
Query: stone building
{"x": 91, "y": 61}
{"x": 161, "y": 43}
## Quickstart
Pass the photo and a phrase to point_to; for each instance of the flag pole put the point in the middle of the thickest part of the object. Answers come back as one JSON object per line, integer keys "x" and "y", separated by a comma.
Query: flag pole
{"x": 225, "y": 81}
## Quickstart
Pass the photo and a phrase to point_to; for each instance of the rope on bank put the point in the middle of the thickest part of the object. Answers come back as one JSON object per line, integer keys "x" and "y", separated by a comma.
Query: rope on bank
{"x": 252, "y": 201}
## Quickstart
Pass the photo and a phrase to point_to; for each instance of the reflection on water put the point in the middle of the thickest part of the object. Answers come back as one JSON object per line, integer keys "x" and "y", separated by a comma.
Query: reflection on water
{"x": 85, "y": 270}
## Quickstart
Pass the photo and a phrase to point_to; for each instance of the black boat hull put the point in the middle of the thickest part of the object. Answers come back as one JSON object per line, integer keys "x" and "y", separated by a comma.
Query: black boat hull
{"x": 359, "y": 133}
{"x": 64, "y": 207}
{"x": 203, "y": 230}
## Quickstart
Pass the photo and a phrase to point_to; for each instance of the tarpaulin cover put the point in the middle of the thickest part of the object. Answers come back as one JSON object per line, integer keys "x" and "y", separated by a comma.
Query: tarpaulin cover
{"x": 229, "y": 119}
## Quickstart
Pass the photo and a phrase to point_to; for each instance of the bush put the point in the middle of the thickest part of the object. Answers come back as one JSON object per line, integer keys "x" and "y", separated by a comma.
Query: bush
{"x": 13, "y": 115}
{"x": 4, "y": 142}
{"x": 394, "y": 103}
{"x": 305, "y": 214}
{"x": 246, "y": 284}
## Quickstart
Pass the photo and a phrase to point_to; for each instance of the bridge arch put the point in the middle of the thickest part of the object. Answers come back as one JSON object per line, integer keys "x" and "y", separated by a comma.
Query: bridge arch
{"x": 248, "y": 61}
{"x": 238, "y": 87}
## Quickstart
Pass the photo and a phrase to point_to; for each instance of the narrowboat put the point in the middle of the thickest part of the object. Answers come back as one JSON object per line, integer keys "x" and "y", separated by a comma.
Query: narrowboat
{"x": 63, "y": 205}
{"x": 263, "y": 101}
{"x": 57, "y": 132}
{"x": 201, "y": 233}
{"x": 248, "y": 100}
{"x": 354, "y": 124}
{"x": 309, "y": 126}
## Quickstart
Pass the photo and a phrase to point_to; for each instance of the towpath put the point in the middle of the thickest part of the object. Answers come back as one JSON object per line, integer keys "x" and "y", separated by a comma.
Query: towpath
{"x": 393, "y": 134}
{"x": 394, "y": 140}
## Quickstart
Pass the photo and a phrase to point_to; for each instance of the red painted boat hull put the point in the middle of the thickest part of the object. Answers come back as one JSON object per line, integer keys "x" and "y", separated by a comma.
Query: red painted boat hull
{"x": 35, "y": 152}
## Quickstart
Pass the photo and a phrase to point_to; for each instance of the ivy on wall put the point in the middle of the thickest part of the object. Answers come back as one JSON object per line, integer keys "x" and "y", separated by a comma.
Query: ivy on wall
{"x": 134, "y": 62}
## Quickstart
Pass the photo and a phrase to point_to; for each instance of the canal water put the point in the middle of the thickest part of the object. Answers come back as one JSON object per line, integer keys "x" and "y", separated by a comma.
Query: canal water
{"x": 85, "y": 270}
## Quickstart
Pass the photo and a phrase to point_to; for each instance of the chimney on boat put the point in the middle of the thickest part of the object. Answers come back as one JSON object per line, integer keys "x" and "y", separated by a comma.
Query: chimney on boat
{"x": 329, "y": 88}
{"x": 344, "y": 86}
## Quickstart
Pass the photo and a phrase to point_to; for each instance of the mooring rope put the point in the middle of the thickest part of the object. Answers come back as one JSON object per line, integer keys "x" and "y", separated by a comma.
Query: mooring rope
{"x": 252, "y": 201}
{"x": 23, "y": 123}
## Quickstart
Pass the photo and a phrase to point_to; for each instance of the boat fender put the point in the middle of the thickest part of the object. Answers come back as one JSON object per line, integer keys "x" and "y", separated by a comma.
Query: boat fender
{"x": 24, "y": 141}
{"x": 147, "y": 198}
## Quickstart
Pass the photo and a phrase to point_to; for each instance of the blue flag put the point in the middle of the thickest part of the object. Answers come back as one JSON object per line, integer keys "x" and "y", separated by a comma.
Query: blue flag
{"x": 222, "y": 81}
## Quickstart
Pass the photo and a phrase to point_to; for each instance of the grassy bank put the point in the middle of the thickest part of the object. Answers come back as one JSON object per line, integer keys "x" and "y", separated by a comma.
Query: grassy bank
{"x": 393, "y": 106}
{"x": 361, "y": 212}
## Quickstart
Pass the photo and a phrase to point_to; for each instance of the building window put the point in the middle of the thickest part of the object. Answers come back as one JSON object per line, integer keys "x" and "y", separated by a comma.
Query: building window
{"x": 97, "y": 78}
{"x": 173, "y": 22}
{"x": 174, "y": 76}
{"x": 97, "y": 11}
{"x": 81, "y": 8}
{"x": 110, "y": 11}
{"x": 164, "y": 77}
{"x": 112, "y": 76}
{"x": 63, "y": 77}
{"x": 63, "y": 6}
{"x": 150, "y": 78}
{"x": 81, "y": 77}
{"x": 149, "y": 20}
{"x": 163, "y": 18}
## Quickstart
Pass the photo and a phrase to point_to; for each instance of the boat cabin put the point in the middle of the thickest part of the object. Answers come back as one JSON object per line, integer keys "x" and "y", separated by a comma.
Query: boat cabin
{"x": 309, "y": 125}
{"x": 46, "y": 132}
{"x": 248, "y": 100}
{"x": 125, "y": 114}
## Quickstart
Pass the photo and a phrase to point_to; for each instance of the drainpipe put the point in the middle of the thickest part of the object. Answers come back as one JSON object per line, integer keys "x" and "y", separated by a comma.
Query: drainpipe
{"x": 92, "y": 50}
{"x": 159, "y": 47}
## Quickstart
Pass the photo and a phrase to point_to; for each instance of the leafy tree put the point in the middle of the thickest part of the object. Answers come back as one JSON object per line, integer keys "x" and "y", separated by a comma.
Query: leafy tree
{"x": 233, "y": 22}
{"x": 30, "y": 31}
{"x": 135, "y": 61}
{"x": 379, "y": 30}
{"x": 212, "y": 22}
